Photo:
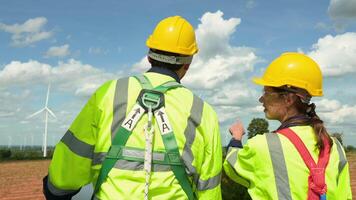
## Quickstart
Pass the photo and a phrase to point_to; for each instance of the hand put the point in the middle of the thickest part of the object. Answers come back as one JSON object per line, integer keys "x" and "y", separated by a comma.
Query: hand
{"x": 237, "y": 130}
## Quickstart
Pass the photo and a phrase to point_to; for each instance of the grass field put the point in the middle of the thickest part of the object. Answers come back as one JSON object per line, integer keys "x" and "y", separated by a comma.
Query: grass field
{"x": 23, "y": 179}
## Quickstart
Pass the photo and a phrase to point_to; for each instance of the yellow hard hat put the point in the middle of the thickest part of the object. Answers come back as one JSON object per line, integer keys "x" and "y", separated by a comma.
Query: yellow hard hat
{"x": 175, "y": 35}
{"x": 293, "y": 69}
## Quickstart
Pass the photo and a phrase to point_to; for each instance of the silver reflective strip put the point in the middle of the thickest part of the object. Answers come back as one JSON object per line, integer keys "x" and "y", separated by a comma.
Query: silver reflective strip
{"x": 342, "y": 158}
{"x": 171, "y": 83}
{"x": 98, "y": 158}
{"x": 119, "y": 104}
{"x": 279, "y": 166}
{"x": 138, "y": 166}
{"x": 56, "y": 191}
{"x": 77, "y": 146}
{"x": 232, "y": 158}
{"x": 176, "y": 60}
{"x": 141, "y": 78}
{"x": 141, "y": 154}
{"x": 210, "y": 183}
{"x": 190, "y": 131}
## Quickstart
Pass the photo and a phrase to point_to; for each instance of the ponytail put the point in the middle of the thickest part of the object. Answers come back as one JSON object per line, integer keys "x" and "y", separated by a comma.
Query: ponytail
{"x": 318, "y": 125}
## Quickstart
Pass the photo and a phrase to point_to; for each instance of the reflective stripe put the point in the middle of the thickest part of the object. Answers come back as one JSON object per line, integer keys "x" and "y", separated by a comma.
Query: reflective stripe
{"x": 138, "y": 166}
{"x": 56, "y": 191}
{"x": 232, "y": 158}
{"x": 98, "y": 158}
{"x": 141, "y": 154}
{"x": 130, "y": 165}
{"x": 144, "y": 82}
{"x": 77, "y": 146}
{"x": 342, "y": 158}
{"x": 119, "y": 104}
{"x": 171, "y": 83}
{"x": 210, "y": 183}
{"x": 279, "y": 166}
{"x": 190, "y": 131}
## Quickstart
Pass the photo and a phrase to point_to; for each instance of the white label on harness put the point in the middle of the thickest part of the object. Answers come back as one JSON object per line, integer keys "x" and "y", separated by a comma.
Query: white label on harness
{"x": 163, "y": 122}
{"x": 132, "y": 118}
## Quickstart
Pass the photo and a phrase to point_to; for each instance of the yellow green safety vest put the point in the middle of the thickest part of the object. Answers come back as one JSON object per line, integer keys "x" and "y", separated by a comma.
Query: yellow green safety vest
{"x": 271, "y": 168}
{"x": 78, "y": 157}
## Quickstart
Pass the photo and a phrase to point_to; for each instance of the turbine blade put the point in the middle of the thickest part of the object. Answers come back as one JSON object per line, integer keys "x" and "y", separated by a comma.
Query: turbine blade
{"x": 50, "y": 112}
{"x": 49, "y": 86}
{"x": 36, "y": 113}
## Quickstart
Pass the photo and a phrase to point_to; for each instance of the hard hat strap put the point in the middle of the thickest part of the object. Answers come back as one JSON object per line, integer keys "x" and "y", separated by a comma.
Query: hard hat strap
{"x": 175, "y": 60}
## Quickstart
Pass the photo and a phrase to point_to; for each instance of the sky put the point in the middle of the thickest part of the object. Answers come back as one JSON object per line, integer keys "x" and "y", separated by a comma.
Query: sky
{"x": 78, "y": 45}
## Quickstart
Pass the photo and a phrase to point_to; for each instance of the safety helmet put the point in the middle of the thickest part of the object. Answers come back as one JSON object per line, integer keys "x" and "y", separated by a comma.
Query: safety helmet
{"x": 175, "y": 35}
{"x": 293, "y": 69}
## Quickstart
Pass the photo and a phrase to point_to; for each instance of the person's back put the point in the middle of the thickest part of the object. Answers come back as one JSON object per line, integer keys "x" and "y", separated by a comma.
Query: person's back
{"x": 275, "y": 170}
{"x": 111, "y": 114}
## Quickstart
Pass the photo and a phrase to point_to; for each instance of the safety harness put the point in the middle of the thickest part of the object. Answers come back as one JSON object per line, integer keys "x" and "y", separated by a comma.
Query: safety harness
{"x": 316, "y": 181}
{"x": 151, "y": 102}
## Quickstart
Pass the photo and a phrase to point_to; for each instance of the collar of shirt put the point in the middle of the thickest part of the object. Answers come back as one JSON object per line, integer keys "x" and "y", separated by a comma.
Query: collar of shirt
{"x": 165, "y": 71}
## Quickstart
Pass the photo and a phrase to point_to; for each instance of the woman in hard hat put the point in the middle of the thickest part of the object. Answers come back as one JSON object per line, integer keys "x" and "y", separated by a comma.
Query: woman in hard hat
{"x": 299, "y": 160}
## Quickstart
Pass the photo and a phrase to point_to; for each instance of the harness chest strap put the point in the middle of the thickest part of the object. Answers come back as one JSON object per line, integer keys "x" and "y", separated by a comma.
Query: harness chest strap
{"x": 317, "y": 187}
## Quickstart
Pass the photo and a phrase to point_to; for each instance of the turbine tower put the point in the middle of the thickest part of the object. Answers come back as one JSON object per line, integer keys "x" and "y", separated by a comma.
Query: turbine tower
{"x": 46, "y": 110}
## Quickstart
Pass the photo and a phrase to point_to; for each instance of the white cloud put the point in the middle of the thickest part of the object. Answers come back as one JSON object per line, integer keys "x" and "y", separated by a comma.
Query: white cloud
{"x": 335, "y": 113}
{"x": 17, "y": 72}
{"x": 58, "y": 51}
{"x": 27, "y": 33}
{"x": 12, "y": 102}
{"x": 336, "y": 54}
{"x": 141, "y": 66}
{"x": 97, "y": 51}
{"x": 217, "y": 59}
{"x": 233, "y": 94}
{"x": 71, "y": 76}
{"x": 342, "y": 9}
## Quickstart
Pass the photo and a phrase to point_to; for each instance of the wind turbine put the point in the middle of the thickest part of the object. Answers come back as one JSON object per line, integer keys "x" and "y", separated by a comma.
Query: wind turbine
{"x": 46, "y": 110}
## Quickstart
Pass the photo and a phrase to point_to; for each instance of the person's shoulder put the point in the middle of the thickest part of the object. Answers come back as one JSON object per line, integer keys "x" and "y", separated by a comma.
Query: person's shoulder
{"x": 259, "y": 142}
{"x": 103, "y": 88}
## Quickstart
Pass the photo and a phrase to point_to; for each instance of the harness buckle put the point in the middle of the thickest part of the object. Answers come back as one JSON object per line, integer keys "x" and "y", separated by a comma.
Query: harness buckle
{"x": 151, "y": 98}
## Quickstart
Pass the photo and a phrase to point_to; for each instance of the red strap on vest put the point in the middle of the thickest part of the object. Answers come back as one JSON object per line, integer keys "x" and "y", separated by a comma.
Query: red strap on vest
{"x": 316, "y": 180}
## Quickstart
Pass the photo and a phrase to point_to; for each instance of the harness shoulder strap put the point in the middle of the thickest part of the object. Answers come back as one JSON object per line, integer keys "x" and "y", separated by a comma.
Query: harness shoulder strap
{"x": 316, "y": 182}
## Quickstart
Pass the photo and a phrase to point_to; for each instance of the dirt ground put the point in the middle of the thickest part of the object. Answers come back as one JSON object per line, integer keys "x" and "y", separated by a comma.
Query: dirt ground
{"x": 23, "y": 179}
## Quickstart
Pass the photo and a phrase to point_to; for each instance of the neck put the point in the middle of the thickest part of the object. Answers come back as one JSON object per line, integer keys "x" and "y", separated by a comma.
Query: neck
{"x": 289, "y": 115}
{"x": 166, "y": 71}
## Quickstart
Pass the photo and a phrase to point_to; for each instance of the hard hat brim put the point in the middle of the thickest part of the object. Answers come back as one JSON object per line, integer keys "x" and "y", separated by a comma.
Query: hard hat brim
{"x": 261, "y": 81}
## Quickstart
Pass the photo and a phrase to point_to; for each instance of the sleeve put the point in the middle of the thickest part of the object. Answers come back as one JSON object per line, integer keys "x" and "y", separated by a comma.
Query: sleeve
{"x": 239, "y": 165}
{"x": 344, "y": 186}
{"x": 208, "y": 185}
{"x": 70, "y": 168}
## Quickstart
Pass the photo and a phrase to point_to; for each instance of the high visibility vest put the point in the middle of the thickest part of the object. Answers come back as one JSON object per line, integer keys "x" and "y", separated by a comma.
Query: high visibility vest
{"x": 79, "y": 155}
{"x": 271, "y": 167}
{"x": 316, "y": 180}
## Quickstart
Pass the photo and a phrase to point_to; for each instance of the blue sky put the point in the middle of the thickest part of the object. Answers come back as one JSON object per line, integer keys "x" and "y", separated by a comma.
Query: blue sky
{"x": 78, "y": 45}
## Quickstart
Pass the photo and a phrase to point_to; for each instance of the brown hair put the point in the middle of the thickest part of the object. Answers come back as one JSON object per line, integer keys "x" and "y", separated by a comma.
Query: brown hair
{"x": 315, "y": 122}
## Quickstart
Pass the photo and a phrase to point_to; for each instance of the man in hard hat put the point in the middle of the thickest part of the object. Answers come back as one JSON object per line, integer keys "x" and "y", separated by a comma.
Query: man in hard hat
{"x": 144, "y": 137}
{"x": 299, "y": 160}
